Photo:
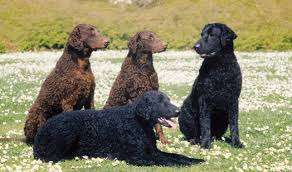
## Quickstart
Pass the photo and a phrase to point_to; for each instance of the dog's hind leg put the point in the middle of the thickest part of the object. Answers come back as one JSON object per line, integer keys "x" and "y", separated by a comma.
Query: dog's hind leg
{"x": 55, "y": 143}
{"x": 46, "y": 149}
{"x": 172, "y": 159}
{"x": 138, "y": 156}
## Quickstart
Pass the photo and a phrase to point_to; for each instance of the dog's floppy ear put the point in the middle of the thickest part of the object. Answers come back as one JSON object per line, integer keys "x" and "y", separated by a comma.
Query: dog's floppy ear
{"x": 135, "y": 43}
{"x": 143, "y": 108}
{"x": 75, "y": 40}
{"x": 228, "y": 35}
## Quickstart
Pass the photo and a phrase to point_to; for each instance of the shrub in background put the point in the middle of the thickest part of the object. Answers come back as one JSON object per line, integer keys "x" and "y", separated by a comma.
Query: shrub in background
{"x": 45, "y": 36}
{"x": 35, "y": 25}
{"x": 2, "y": 47}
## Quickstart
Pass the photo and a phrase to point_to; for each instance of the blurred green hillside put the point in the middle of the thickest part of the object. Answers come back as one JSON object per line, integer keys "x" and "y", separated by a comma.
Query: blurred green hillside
{"x": 45, "y": 24}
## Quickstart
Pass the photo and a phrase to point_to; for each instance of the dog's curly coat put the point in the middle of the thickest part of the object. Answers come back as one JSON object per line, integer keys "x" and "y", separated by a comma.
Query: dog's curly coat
{"x": 137, "y": 73}
{"x": 212, "y": 104}
{"x": 123, "y": 132}
{"x": 70, "y": 86}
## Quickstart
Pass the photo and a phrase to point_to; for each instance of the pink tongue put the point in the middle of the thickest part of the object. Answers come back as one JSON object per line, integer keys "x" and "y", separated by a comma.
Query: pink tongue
{"x": 167, "y": 123}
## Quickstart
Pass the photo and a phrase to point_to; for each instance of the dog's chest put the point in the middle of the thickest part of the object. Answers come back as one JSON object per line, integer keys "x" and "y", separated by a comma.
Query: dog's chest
{"x": 220, "y": 82}
{"x": 85, "y": 81}
{"x": 83, "y": 64}
{"x": 153, "y": 79}
{"x": 146, "y": 80}
{"x": 148, "y": 75}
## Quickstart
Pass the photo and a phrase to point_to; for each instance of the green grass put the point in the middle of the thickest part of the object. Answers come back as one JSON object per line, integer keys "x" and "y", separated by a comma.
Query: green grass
{"x": 34, "y": 24}
{"x": 256, "y": 142}
{"x": 265, "y": 131}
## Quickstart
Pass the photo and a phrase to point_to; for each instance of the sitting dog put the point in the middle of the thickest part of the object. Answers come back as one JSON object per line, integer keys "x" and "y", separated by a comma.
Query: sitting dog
{"x": 124, "y": 132}
{"x": 212, "y": 104}
{"x": 137, "y": 73}
{"x": 70, "y": 86}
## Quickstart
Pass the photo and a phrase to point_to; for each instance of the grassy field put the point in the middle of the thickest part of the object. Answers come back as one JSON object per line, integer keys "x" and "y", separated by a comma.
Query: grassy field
{"x": 265, "y": 111}
{"x": 45, "y": 24}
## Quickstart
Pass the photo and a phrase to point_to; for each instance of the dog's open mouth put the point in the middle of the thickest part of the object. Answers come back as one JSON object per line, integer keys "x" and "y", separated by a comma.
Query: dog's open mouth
{"x": 208, "y": 55}
{"x": 167, "y": 122}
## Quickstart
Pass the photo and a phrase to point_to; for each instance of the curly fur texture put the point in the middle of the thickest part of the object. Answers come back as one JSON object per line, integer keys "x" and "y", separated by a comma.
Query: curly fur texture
{"x": 137, "y": 73}
{"x": 212, "y": 104}
{"x": 70, "y": 86}
{"x": 124, "y": 132}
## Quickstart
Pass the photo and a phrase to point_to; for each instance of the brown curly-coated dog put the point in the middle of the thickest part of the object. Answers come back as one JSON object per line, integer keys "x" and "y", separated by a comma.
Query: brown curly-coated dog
{"x": 70, "y": 86}
{"x": 137, "y": 73}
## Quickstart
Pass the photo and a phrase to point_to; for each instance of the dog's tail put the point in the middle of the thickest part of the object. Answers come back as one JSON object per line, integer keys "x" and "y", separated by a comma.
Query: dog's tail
{"x": 53, "y": 143}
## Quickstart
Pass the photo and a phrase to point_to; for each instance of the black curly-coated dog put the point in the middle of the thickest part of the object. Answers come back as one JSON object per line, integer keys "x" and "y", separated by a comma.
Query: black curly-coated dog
{"x": 212, "y": 104}
{"x": 124, "y": 132}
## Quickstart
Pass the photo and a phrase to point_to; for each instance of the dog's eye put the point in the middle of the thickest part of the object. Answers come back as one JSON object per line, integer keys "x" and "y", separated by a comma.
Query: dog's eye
{"x": 151, "y": 37}
{"x": 211, "y": 35}
{"x": 92, "y": 32}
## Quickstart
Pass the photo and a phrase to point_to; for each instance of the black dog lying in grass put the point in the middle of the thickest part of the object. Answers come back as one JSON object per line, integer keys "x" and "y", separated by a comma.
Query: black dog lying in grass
{"x": 124, "y": 132}
{"x": 213, "y": 101}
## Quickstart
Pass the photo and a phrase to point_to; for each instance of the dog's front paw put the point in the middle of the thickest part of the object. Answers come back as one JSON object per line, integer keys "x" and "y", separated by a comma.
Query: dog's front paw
{"x": 163, "y": 140}
{"x": 194, "y": 141}
{"x": 206, "y": 144}
{"x": 236, "y": 143}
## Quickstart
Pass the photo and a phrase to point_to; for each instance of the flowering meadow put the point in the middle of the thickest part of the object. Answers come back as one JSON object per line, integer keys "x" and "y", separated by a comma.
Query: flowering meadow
{"x": 265, "y": 111}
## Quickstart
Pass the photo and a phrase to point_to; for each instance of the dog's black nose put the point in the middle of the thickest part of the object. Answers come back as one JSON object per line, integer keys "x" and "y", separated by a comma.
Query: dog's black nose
{"x": 106, "y": 43}
{"x": 197, "y": 46}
